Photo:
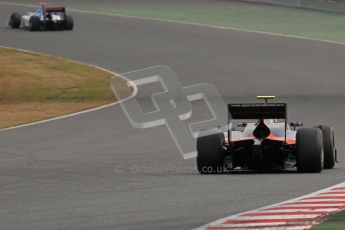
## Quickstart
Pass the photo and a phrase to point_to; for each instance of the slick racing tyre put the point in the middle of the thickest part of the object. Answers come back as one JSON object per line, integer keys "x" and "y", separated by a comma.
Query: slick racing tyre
{"x": 328, "y": 146}
{"x": 309, "y": 150}
{"x": 15, "y": 20}
{"x": 35, "y": 23}
{"x": 69, "y": 23}
{"x": 210, "y": 159}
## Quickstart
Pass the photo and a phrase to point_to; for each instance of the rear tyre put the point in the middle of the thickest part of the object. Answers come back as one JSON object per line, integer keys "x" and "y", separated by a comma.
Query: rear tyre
{"x": 309, "y": 150}
{"x": 35, "y": 23}
{"x": 328, "y": 146}
{"x": 69, "y": 23}
{"x": 210, "y": 158}
{"x": 15, "y": 19}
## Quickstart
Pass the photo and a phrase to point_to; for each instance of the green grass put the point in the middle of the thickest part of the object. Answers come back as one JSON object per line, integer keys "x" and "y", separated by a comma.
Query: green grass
{"x": 32, "y": 77}
{"x": 334, "y": 222}
{"x": 264, "y": 18}
{"x": 34, "y": 87}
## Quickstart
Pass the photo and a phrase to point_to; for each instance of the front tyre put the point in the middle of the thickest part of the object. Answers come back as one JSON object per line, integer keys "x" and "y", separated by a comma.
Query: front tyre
{"x": 309, "y": 150}
{"x": 15, "y": 19}
{"x": 69, "y": 23}
{"x": 210, "y": 158}
{"x": 34, "y": 23}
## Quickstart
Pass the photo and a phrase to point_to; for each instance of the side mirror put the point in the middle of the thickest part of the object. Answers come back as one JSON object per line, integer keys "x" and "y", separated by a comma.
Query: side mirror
{"x": 296, "y": 124}
{"x": 241, "y": 124}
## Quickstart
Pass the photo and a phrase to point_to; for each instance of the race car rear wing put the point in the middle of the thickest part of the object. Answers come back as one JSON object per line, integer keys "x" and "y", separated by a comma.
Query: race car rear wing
{"x": 258, "y": 111}
{"x": 55, "y": 9}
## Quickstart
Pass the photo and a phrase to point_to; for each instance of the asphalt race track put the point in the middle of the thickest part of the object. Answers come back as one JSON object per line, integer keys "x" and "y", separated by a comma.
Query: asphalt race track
{"x": 80, "y": 172}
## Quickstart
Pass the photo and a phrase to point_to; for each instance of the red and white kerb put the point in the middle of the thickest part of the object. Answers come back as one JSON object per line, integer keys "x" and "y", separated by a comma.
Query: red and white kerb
{"x": 296, "y": 214}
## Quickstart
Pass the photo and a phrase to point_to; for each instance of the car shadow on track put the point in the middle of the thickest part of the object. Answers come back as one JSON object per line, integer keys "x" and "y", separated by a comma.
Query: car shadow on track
{"x": 236, "y": 172}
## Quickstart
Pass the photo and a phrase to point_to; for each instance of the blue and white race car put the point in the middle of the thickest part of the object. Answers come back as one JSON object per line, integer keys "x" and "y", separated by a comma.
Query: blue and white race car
{"x": 44, "y": 18}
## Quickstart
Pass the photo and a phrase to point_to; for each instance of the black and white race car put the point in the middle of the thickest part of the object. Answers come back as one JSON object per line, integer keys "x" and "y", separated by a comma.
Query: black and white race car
{"x": 44, "y": 18}
{"x": 259, "y": 138}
